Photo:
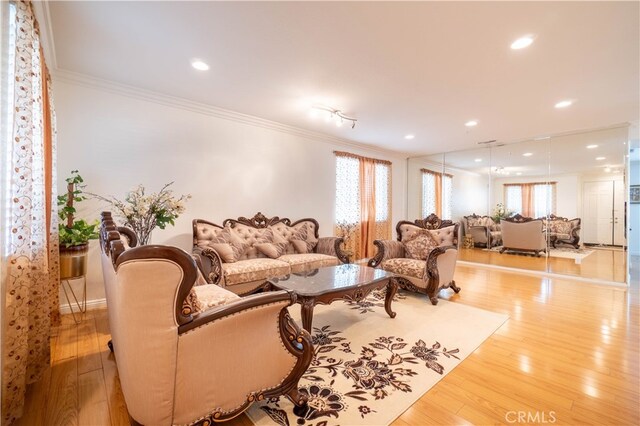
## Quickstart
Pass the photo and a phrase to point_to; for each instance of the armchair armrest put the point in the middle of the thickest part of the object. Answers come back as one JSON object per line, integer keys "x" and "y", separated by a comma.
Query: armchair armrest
{"x": 210, "y": 264}
{"x": 441, "y": 264}
{"x": 332, "y": 246}
{"x": 239, "y": 353}
{"x": 387, "y": 249}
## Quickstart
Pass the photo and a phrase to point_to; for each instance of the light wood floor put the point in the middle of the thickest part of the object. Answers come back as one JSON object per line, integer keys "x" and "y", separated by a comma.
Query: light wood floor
{"x": 569, "y": 351}
{"x": 603, "y": 264}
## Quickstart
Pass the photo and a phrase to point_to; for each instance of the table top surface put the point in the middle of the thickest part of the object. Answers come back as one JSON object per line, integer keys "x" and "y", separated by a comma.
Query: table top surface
{"x": 329, "y": 279}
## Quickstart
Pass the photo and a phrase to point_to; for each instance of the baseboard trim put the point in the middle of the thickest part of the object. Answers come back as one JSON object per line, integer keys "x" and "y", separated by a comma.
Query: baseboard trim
{"x": 92, "y": 305}
{"x": 518, "y": 271}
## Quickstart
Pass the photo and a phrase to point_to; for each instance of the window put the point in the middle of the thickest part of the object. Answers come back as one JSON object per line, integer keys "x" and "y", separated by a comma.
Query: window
{"x": 437, "y": 194}
{"x": 363, "y": 202}
{"x": 531, "y": 199}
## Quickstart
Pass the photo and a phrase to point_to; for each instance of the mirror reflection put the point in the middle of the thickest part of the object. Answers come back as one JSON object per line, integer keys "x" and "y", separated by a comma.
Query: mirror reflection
{"x": 554, "y": 204}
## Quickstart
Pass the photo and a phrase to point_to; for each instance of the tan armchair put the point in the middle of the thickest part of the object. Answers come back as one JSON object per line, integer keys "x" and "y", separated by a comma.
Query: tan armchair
{"x": 521, "y": 233}
{"x": 429, "y": 275}
{"x": 194, "y": 354}
{"x": 484, "y": 230}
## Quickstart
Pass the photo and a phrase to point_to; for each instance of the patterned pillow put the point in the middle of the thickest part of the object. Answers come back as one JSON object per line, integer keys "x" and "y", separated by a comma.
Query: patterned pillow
{"x": 420, "y": 245}
{"x": 271, "y": 244}
{"x": 229, "y": 247}
{"x": 302, "y": 239}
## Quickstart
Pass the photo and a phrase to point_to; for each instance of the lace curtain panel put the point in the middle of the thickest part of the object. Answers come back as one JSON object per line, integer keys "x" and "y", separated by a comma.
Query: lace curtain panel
{"x": 363, "y": 202}
{"x": 29, "y": 245}
{"x": 437, "y": 194}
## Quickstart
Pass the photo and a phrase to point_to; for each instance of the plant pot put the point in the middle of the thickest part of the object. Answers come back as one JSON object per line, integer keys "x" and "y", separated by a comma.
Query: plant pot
{"x": 73, "y": 261}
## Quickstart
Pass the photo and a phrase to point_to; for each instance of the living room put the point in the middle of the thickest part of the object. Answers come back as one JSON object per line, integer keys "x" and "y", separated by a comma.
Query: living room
{"x": 352, "y": 122}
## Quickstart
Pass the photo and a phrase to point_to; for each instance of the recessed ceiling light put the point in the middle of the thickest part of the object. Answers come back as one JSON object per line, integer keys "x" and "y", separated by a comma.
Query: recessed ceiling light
{"x": 601, "y": 158}
{"x": 477, "y": 160}
{"x": 471, "y": 123}
{"x": 519, "y": 174}
{"x": 522, "y": 42}
{"x": 563, "y": 104}
{"x": 199, "y": 65}
{"x": 527, "y": 154}
{"x": 409, "y": 137}
{"x": 607, "y": 169}
{"x": 592, "y": 146}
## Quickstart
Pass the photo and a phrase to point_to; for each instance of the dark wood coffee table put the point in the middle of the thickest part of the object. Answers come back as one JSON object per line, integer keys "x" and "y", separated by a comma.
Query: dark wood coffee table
{"x": 344, "y": 282}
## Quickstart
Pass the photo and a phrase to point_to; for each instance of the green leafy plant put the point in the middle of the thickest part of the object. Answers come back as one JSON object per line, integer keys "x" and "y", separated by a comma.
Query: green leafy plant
{"x": 74, "y": 232}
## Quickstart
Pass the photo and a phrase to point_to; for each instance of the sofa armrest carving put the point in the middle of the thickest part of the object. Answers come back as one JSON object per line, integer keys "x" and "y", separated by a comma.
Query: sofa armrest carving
{"x": 332, "y": 246}
{"x": 210, "y": 264}
{"x": 387, "y": 249}
{"x": 132, "y": 238}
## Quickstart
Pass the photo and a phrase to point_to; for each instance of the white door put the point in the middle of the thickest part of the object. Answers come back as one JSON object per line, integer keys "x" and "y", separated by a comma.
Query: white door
{"x": 597, "y": 223}
{"x": 618, "y": 214}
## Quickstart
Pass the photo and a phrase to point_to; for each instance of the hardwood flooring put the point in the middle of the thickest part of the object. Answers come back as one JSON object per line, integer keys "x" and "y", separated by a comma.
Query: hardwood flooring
{"x": 603, "y": 264}
{"x": 569, "y": 354}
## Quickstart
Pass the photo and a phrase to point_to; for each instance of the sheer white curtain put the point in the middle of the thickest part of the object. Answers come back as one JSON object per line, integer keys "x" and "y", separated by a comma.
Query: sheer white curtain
{"x": 428, "y": 194}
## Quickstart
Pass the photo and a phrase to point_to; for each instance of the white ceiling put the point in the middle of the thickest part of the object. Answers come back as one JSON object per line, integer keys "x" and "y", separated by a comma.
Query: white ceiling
{"x": 407, "y": 67}
{"x": 566, "y": 154}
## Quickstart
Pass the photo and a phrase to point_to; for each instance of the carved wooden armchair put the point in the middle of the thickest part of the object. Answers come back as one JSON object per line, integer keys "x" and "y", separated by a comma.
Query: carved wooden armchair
{"x": 429, "y": 275}
{"x": 484, "y": 230}
{"x": 189, "y": 353}
{"x": 561, "y": 230}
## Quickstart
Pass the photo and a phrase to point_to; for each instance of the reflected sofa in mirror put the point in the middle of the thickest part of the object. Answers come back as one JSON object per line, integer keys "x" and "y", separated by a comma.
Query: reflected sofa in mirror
{"x": 573, "y": 184}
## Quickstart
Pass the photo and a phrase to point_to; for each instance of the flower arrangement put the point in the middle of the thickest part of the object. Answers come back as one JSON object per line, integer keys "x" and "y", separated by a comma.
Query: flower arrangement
{"x": 501, "y": 212}
{"x": 142, "y": 212}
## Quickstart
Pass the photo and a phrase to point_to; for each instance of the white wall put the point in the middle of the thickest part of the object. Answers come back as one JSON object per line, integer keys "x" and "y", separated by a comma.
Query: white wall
{"x": 231, "y": 168}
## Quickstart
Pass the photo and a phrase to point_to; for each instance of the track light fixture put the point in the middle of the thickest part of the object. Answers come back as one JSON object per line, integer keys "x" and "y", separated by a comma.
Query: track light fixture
{"x": 332, "y": 114}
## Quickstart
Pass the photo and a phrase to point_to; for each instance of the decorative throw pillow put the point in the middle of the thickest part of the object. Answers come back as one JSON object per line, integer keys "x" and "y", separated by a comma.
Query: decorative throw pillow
{"x": 229, "y": 247}
{"x": 420, "y": 245}
{"x": 271, "y": 244}
{"x": 302, "y": 239}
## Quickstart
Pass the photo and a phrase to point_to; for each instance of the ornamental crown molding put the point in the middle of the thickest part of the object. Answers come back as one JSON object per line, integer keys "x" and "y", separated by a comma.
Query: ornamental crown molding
{"x": 109, "y": 86}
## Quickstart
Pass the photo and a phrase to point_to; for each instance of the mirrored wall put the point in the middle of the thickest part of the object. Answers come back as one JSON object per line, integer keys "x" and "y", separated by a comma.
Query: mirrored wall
{"x": 555, "y": 204}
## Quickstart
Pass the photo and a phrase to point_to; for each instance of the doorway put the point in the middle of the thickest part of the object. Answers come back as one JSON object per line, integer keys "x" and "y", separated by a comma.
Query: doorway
{"x": 603, "y": 213}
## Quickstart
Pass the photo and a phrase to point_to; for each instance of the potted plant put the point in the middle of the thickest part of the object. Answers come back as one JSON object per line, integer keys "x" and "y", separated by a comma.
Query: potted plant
{"x": 501, "y": 212}
{"x": 74, "y": 234}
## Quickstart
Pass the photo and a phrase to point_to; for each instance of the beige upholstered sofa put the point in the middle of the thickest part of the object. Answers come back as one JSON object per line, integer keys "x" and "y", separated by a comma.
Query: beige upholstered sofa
{"x": 484, "y": 230}
{"x": 428, "y": 274}
{"x": 562, "y": 230}
{"x": 242, "y": 254}
{"x": 189, "y": 353}
{"x": 521, "y": 233}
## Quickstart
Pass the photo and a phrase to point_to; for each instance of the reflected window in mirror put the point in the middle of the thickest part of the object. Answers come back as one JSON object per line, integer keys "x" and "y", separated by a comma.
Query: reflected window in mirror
{"x": 436, "y": 194}
{"x": 537, "y": 199}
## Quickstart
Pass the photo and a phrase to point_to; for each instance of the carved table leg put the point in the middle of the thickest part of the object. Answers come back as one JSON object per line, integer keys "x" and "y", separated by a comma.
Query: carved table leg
{"x": 392, "y": 287}
{"x": 307, "y": 313}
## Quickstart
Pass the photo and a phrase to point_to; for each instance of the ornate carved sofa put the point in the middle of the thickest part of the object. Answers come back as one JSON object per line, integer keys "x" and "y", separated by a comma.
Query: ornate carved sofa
{"x": 242, "y": 254}
{"x": 484, "y": 230}
{"x": 521, "y": 233}
{"x": 189, "y": 353}
{"x": 428, "y": 275}
{"x": 562, "y": 230}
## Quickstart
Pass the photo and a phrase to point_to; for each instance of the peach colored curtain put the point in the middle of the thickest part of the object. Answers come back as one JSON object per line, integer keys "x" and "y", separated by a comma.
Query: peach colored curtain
{"x": 438, "y": 194}
{"x": 367, "y": 207}
{"x": 527, "y": 200}
{"x": 30, "y": 249}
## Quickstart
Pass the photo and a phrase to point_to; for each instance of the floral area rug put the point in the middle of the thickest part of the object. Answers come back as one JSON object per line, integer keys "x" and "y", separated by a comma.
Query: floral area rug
{"x": 369, "y": 368}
